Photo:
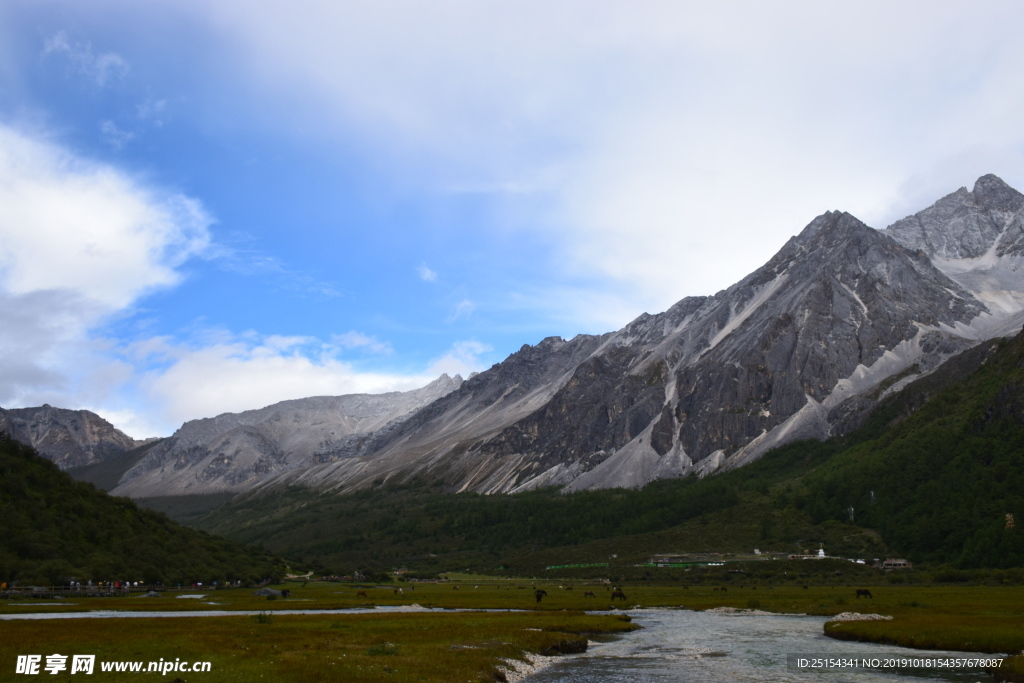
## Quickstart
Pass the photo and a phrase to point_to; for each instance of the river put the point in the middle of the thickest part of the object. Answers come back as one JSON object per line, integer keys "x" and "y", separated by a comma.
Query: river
{"x": 709, "y": 647}
{"x": 674, "y": 646}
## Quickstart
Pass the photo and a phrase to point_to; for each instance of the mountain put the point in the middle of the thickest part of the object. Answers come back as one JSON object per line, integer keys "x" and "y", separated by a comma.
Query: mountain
{"x": 236, "y": 451}
{"x": 931, "y": 475}
{"x": 977, "y": 239}
{"x": 803, "y": 347}
{"x": 55, "y": 529}
{"x": 70, "y": 438}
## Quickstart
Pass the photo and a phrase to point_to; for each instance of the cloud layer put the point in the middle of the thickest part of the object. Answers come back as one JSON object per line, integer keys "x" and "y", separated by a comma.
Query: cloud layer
{"x": 672, "y": 146}
{"x": 647, "y": 151}
{"x": 232, "y": 373}
{"x": 81, "y": 243}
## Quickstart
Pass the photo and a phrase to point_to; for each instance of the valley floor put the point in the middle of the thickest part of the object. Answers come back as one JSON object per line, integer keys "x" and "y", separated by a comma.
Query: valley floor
{"x": 440, "y": 645}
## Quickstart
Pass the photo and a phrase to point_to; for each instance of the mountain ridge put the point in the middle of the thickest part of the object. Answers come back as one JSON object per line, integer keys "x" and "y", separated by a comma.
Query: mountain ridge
{"x": 838, "y": 310}
{"x": 841, "y": 316}
{"x": 234, "y": 451}
{"x": 70, "y": 438}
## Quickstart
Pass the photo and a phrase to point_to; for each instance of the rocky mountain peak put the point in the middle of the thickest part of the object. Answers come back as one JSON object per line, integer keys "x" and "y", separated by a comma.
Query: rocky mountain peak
{"x": 805, "y": 343}
{"x": 991, "y": 193}
{"x": 70, "y": 438}
{"x": 962, "y": 225}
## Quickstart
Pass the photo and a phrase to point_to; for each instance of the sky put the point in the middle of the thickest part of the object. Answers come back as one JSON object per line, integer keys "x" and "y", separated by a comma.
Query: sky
{"x": 209, "y": 206}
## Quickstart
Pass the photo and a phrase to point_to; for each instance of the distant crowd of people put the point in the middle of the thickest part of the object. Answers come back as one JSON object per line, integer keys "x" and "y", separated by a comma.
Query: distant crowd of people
{"x": 127, "y": 586}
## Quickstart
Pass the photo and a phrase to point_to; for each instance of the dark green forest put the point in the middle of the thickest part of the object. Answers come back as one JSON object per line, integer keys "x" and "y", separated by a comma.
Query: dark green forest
{"x": 931, "y": 476}
{"x": 938, "y": 484}
{"x": 56, "y": 529}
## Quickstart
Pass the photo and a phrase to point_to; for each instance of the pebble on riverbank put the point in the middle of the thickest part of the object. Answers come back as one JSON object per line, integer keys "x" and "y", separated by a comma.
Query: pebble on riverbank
{"x": 515, "y": 670}
{"x": 857, "y": 616}
{"x": 752, "y": 612}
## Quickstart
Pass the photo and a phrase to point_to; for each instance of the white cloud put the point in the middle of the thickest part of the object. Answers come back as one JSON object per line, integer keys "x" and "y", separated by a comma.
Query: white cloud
{"x": 114, "y": 136}
{"x": 426, "y": 274}
{"x": 665, "y": 149}
{"x": 101, "y": 69}
{"x": 462, "y": 359}
{"x": 463, "y": 309}
{"x": 241, "y": 374}
{"x": 232, "y": 373}
{"x": 79, "y": 242}
{"x": 358, "y": 340}
{"x": 72, "y": 224}
{"x": 673, "y": 146}
{"x": 152, "y": 110}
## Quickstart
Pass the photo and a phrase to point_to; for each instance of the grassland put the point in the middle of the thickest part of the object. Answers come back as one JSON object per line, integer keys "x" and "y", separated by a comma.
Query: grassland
{"x": 443, "y": 646}
{"x": 973, "y": 619}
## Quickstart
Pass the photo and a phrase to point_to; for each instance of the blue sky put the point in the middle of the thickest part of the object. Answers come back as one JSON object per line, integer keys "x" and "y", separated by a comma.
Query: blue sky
{"x": 212, "y": 206}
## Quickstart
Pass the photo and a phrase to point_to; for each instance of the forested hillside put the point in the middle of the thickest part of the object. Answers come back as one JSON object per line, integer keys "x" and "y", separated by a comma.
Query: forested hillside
{"x": 56, "y": 529}
{"x": 945, "y": 484}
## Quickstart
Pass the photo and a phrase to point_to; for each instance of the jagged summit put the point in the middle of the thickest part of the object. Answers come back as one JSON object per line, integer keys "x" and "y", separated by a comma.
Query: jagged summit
{"x": 991, "y": 193}
{"x": 964, "y": 224}
{"x": 70, "y": 438}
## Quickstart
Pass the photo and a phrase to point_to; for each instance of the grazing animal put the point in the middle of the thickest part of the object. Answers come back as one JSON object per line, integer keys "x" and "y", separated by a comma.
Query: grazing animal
{"x": 864, "y": 593}
{"x": 540, "y": 594}
{"x": 568, "y": 588}
{"x": 589, "y": 594}
{"x": 399, "y": 591}
{"x": 361, "y": 593}
{"x": 618, "y": 594}
{"x": 724, "y": 589}
{"x": 805, "y": 588}
{"x": 455, "y": 588}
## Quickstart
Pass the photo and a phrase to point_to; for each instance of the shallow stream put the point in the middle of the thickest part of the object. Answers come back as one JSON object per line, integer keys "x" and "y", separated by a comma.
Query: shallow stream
{"x": 683, "y": 646}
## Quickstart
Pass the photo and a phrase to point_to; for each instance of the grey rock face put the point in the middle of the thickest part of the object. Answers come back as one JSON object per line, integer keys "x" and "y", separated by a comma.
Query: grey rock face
{"x": 713, "y": 374}
{"x": 804, "y": 346}
{"x": 235, "y": 451}
{"x": 961, "y": 225}
{"x": 713, "y": 381}
{"x": 849, "y": 295}
{"x": 70, "y": 438}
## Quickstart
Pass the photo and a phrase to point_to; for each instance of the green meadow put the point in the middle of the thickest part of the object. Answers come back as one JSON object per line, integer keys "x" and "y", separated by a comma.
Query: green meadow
{"x": 431, "y": 646}
{"x": 440, "y": 645}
